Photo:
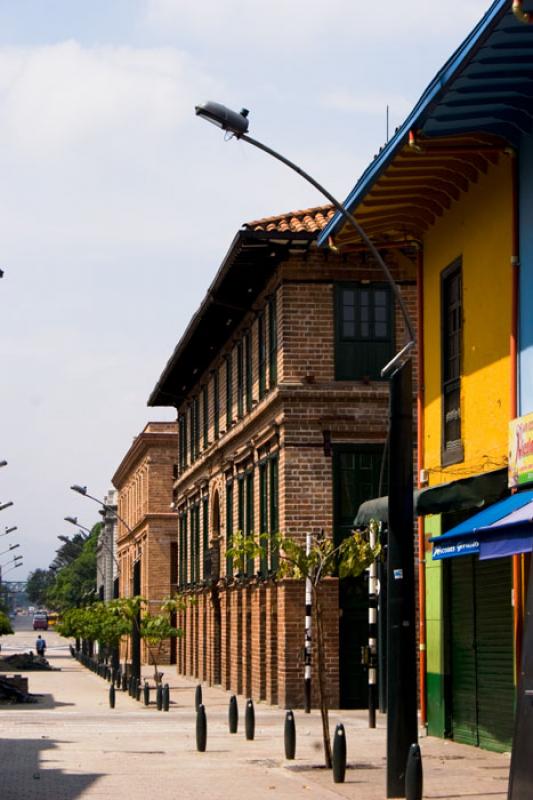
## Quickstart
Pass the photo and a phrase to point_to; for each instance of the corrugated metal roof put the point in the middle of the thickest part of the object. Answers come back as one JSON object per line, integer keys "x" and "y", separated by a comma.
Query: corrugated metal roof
{"x": 486, "y": 86}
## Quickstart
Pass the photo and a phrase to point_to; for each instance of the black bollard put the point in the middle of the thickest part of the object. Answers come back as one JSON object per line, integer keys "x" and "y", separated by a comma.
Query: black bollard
{"x": 146, "y": 693}
{"x": 233, "y": 714}
{"x": 414, "y": 777}
{"x": 138, "y": 690}
{"x": 201, "y": 729}
{"x": 198, "y": 697}
{"x": 339, "y": 754}
{"x": 290, "y": 736}
{"x": 166, "y": 697}
{"x": 124, "y": 682}
{"x": 159, "y": 697}
{"x": 249, "y": 720}
{"x": 111, "y": 696}
{"x": 118, "y": 679}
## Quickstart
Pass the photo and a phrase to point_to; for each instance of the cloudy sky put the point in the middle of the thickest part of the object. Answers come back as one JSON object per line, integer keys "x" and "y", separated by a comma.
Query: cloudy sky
{"x": 117, "y": 204}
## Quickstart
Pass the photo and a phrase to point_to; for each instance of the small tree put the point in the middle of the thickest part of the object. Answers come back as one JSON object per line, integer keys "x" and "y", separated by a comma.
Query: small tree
{"x": 5, "y": 625}
{"x": 156, "y": 629}
{"x": 349, "y": 559}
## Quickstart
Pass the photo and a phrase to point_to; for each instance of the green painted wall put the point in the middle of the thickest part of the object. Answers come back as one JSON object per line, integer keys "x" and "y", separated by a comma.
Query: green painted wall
{"x": 436, "y": 670}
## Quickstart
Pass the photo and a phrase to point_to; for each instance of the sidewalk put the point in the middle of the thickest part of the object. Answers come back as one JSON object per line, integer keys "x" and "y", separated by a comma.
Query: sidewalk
{"x": 72, "y": 745}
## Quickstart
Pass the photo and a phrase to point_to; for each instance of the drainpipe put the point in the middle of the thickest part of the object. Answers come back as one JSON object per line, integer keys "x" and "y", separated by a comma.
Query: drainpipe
{"x": 518, "y": 594}
{"x": 420, "y": 465}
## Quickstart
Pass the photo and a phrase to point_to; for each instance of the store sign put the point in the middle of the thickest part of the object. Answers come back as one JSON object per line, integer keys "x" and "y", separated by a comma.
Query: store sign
{"x": 521, "y": 451}
{"x": 463, "y": 547}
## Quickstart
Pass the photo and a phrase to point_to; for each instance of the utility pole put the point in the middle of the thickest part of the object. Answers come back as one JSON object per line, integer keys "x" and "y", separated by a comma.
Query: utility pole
{"x": 308, "y": 632}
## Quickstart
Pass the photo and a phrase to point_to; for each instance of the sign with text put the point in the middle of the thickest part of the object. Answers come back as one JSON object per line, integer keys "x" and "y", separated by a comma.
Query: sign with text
{"x": 521, "y": 451}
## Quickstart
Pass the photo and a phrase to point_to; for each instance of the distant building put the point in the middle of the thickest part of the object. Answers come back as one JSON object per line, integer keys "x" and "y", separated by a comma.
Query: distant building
{"x": 106, "y": 550}
{"x": 282, "y": 420}
{"x": 149, "y": 536}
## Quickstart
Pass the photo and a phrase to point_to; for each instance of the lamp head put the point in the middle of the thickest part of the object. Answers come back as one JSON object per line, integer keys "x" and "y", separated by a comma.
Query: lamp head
{"x": 14, "y": 547}
{"x": 72, "y": 520}
{"x": 79, "y": 489}
{"x": 3, "y": 463}
{"x": 6, "y": 505}
{"x": 235, "y": 122}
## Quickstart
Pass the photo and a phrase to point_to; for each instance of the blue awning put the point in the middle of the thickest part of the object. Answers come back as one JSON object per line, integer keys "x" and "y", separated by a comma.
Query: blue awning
{"x": 503, "y": 529}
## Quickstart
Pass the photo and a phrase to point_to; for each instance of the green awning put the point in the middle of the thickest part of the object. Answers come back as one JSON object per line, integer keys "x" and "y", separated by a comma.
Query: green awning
{"x": 465, "y": 494}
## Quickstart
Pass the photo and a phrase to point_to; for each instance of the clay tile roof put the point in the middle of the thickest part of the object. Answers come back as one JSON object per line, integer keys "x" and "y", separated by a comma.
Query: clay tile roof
{"x": 309, "y": 220}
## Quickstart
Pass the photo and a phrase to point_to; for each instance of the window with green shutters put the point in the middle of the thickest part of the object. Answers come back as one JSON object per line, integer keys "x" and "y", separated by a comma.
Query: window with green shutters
{"x": 364, "y": 330}
{"x": 192, "y": 526}
{"x": 229, "y": 391}
{"x": 183, "y": 571}
{"x": 240, "y": 380}
{"x": 263, "y": 516}
{"x": 451, "y": 357}
{"x": 249, "y": 530}
{"x": 182, "y": 428}
{"x": 205, "y": 531}
{"x": 261, "y": 353}
{"x": 240, "y": 510}
{"x": 229, "y": 527}
{"x": 272, "y": 342}
{"x": 274, "y": 510}
{"x": 205, "y": 416}
{"x": 248, "y": 385}
{"x": 216, "y": 403}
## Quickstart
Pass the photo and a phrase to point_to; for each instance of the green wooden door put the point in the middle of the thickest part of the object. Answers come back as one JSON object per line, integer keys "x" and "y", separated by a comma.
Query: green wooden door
{"x": 356, "y": 471}
{"x": 482, "y": 652}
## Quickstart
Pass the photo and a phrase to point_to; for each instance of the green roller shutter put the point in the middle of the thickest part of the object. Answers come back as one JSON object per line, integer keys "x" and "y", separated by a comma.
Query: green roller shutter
{"x": 495, "y": 689}
{"x": 463, "y": 653}
{"x": 482, "y": 690}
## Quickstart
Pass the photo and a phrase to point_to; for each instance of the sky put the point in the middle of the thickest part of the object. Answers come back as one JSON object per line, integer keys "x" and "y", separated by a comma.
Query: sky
{"x": 117, "y": 204}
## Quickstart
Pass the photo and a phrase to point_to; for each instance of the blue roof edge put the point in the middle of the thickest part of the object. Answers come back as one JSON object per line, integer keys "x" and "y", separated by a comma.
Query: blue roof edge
{"x": 445, "y": 74}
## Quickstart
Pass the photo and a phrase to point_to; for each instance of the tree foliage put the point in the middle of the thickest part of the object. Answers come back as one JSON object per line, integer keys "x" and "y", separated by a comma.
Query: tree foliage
{"x": 5, "y": 625}
{"x": 38, "y": 584}
{"x": 74, "y": 572}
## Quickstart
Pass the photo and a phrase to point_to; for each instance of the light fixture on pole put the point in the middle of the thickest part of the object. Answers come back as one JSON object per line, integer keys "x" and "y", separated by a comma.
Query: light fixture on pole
{"x": 74, "y": 521}
{"x": 9, "y": 530}
{"x": 18, "y": 564}
{"x": 14, "y": 560}
{"x": 402, "y": 720}
{"x": 83, "y": 491}
{"x": 3, "y": 463}
{"x": 6, "y": 505}
{"x": 11, "y": 547}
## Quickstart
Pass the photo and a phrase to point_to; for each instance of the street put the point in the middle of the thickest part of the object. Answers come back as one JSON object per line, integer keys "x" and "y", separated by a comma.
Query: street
{"x": 72, "y": 745}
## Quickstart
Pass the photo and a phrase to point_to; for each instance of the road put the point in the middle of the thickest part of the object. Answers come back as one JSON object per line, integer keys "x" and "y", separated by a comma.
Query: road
{"x": 71, "y": 745}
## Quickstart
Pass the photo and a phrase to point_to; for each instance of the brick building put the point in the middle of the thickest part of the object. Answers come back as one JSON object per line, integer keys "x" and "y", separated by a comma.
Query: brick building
{"x": 282, "y": 419}
{"x": 146, "y": 544}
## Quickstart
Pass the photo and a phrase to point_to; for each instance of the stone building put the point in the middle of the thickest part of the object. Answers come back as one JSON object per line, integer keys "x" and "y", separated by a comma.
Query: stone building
{"x": 146, "y": 531}
{"x": 282, "y": 419}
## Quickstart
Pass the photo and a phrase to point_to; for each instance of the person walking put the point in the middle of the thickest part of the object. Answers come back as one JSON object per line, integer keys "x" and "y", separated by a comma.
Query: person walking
{"x": 40, "y": 646}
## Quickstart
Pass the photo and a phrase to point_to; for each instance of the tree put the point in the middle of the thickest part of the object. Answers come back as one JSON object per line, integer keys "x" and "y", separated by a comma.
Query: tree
{"x": 38, "y": 584}
{"x": 74, "y": 582}
{"x": 5, "y": 625}
{"x": 349, "y": 559}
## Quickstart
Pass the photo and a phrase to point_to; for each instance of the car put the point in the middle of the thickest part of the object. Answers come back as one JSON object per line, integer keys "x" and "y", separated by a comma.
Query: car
{"x": 40, "y": 622}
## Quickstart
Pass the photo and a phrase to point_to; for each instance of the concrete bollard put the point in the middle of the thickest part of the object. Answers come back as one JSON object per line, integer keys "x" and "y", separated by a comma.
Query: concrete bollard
{"x": 339, "y": 754}
{"x": 159, "y": 697}
{"x": 290, "y": 736}
{"x": 249, "y": 720}
{"x": 146, "y": 693}
{"x": 111, "y": 696}
{"x": 166, "y": 697}
{"x": 414, "y": 777}
{"x": 201, "y": 729}
{"x": 233, "y": 714}
{"x": 198, "y": 697}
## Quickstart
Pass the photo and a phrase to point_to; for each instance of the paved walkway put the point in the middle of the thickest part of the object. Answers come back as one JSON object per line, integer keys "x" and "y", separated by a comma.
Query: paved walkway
{"x": 72, "y": 745}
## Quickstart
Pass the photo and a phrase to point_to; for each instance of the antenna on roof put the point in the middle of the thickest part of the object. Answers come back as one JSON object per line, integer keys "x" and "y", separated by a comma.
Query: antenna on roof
{"x": 387, "y": 124}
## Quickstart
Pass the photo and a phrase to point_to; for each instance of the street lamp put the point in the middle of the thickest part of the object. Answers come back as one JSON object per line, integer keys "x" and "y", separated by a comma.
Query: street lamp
{"x": 402, "y": 721}
{"x": 83, "y": 491}
{"x": 6, "y": 505}
{"x": 18, "y": 564}
{"x": 9, "y": 530}
{"x": 74, "y": 521}
{"x": 15, "y": 559}
{"x": 3, "y": 463}
{"x": 11, "y": 547}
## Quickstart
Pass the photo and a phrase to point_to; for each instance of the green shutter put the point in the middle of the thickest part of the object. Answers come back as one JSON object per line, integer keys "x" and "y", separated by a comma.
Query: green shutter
{"x": 249, "y": 518}
{"x": 263, "y": 517}
{"x": 463, "y": 654}
{"x": 229, "y": 527}
{"x": 360, "y": 351}
{"x": 274, "y": 512}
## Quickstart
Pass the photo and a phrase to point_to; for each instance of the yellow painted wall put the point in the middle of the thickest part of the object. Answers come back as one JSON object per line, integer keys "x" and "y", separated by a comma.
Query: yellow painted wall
{"x": 477, "y": 227}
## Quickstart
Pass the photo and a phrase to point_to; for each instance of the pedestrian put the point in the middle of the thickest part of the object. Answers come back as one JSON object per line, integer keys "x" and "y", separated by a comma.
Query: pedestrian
{"x": 40, "y": 646}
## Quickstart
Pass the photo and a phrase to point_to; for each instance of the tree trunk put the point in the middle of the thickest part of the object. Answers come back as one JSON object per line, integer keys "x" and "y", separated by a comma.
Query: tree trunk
{"x": 322, "y": 677}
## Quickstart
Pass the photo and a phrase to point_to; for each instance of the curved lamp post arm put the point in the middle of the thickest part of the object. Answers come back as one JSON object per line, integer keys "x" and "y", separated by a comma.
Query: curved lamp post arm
{"x": 83, "y": 491}
{"x": 74, "y": 521}
{"x": 236, "y": 124}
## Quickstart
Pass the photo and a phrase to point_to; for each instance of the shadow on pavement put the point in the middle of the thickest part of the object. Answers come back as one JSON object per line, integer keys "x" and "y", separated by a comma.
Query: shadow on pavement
{"x": 24, "y": 773}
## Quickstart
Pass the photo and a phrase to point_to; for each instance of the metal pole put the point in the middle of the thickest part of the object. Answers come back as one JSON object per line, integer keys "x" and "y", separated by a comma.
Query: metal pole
{"x": 372, "y": 633}
{"x": 308, "y": 632}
